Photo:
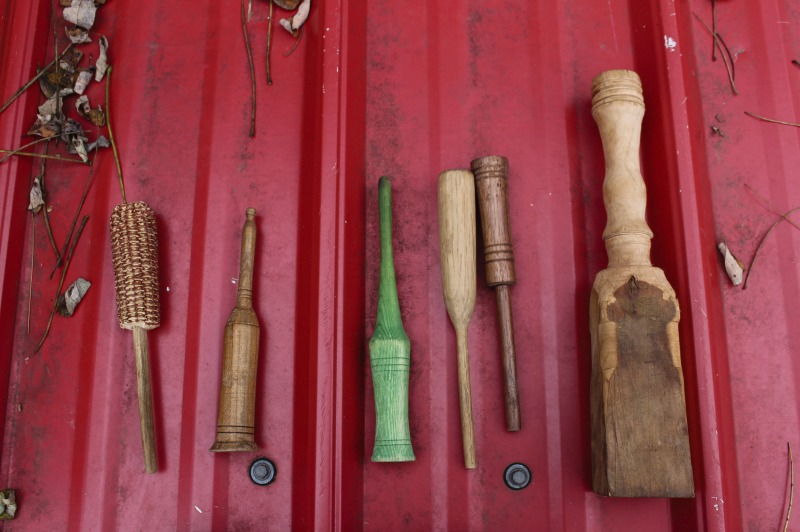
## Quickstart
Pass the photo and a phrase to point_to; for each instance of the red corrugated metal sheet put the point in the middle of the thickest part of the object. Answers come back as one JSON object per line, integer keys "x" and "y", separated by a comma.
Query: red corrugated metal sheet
{"x": 402, "y": 90}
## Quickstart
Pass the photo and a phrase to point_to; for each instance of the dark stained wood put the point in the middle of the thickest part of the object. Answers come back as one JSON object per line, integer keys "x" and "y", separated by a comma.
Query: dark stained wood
{"x": 491, "y": 182}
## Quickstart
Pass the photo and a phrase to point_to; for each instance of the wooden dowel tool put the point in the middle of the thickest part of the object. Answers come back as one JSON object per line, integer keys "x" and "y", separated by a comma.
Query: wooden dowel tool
{"x": 491, "y": 180}
{"x": 134, "y": 252}
{"x": 237, "y": 393}
{"x": 640, "y": 441}
{"x": 457, "y": 246}
{"x": 389, "y": 352}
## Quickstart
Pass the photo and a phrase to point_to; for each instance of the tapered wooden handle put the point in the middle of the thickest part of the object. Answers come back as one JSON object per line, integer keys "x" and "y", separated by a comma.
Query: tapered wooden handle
{"x": 145, "y": 394}
{"x": 237, "y": 393}
{"x": 491, "y": 181}
{"x": 618, "y": 109}
{"x": 389, "y": 352}
{"x": 457, "y": 246}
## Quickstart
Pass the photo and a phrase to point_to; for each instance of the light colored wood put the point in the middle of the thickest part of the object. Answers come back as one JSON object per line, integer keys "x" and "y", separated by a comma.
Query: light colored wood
{"x": 389, "y": 352}
{"x": 457, "y": 246}
{"x": 640, "y": 443}
{"x": 144, "y": 391}
{"x": 237, "y": 394}
{"x": 491, "y": 181}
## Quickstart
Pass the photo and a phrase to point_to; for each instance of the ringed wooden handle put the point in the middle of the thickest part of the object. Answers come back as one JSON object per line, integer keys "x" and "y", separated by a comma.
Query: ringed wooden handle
{"x": 457, "y": 247}
{"x": 491, "y": 181}
{"x": 618, "y": 109}
{"x": 144, "y": 391}
{"x": 237, "y": 394}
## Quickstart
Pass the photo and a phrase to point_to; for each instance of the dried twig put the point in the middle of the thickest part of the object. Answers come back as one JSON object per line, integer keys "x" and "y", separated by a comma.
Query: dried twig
{"x": 296, "y": 42}
{"x": 18, "y": 150}
{"x": 252, "y": 74}
{"x": 30, "y": 280}
{"x": 55, "y": 52}
{"x": 714, "y": 30}
{"x": 111, "y": 134}
{"x": 766, "y": 204}
{"x": 45, "y": 214}
{"x": 791, "y": 488}
{"x": 761, "y": 244}
{"x": 43, "y": 156}
{"x": 727, "y": 59}
{"x": 77, "y": 213}
{"x": 269, "y": 42}
{"x": 30, "y": 82}
{"x": 61, "y": 284}
{"x": 771, "y": 120}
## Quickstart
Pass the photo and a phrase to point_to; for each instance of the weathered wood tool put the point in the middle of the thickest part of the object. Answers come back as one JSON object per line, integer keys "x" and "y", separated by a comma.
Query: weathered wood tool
{"x": 134, "y": 252}
{"x": 237, "y": 393}
{"x": 457, "y": 246}
{"x": 640, "y": 441}
{"x": 491, "y": 180}
{"x": 389, "y": 352}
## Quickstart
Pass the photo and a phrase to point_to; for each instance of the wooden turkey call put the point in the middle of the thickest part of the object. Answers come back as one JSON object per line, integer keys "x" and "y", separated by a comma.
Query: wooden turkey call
{"x": 457, "y": 247}
{"x": 237, "y": 393}
{"x": 640, "y": 441}
{"x": 491, "y": 180}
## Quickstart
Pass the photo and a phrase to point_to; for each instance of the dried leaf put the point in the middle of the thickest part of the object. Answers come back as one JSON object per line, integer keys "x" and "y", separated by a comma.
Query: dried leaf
{"x": 101, "y": 142}
{"x": 52, "y": 105}
{"x": 78, "y": 145}
{"x": 65, "y": 3}
{"x": 84, "y": 78}
{"x": 69, "y": 59}
{"x": 48, "y": 88}
{"x": 288, "y": 5}
{"x": 78, "y": 35}
{"x": 81, "y": 13}
{"x": 102, "y": 61}
{"x": 71, "y": 127}
{"x": 98, "y": 116}
{"x": 298, "y": 19}
{"x": 82, "y": 106}
{"x": 733, "y": 266}
{"x": 70, "y": 299}
{"x": 62, "y": 78}
{"x": 45, "y": 127}
{"x": 36, "y": 199}
{"x": 8, "y": 504}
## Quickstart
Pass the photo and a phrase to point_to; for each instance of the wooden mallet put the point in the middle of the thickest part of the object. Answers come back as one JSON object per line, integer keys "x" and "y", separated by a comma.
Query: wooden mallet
{"x": 640, "y": 441}
{"x": 389, "y": 352}
{"x": 134, "y": 252}
{"x": 237, "y": 393}
{"x": 491, "y": 180}
{"x": 457, "y": 246}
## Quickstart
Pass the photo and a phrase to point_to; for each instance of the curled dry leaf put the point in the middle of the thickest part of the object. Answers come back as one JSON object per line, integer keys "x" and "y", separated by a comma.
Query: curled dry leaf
{"x": 36, "y": 200}
{"x": 298, "y": 19}
{"x": 288, "y": 5}
{"x": 733, "y": 266}
{"x": 102, "y": 61}
{"x": 78, "y": 35}
{"x": 81, "y": 13}
{"x": 78, "y": 145}
{"x": 82, "y": 106}
{"x": 8, "y": 504}
{"x": 45, "y": 127}
{"x": 101, "y": 142}
{"x": 84, "y": 78}
{"x": 62, "y": 79}
{"x": 69, "y": 59}
{"x": 73, "y": 295}
{"x": 98, "y": 116}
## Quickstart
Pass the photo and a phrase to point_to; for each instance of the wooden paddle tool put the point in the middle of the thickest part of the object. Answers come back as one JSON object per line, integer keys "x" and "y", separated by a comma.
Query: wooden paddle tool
{"x": 640, "y": 441}
{"x": 237, "y": 393}
{"x": 457, "y": 246}
{"x": 134, "y": 252}
{"x": 389, "y": 352}
{"x": 491, "y": 180}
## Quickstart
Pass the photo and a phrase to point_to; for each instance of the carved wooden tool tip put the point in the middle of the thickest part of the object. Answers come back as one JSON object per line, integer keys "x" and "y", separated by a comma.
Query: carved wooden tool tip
{"x": 491, "y": 179}
{"x": 237, "y": 393}
{"x": 640, "y": 440}
{"x": 457, "y": 246}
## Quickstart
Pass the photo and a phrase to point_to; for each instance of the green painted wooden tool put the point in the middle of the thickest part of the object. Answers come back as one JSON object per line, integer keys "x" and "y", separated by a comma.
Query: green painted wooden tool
{"x": 389, "y": 352}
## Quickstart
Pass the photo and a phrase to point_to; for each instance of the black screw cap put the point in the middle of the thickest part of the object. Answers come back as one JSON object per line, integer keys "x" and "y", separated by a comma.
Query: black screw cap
{"x": 263, "y": 471}
{"x": 517, "y": 476}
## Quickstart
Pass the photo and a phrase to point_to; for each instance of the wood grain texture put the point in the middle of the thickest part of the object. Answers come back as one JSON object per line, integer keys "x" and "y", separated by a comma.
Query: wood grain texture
{"x": 457, "y": 247}
{"x": 640, "y": 441}
{"x": 491, "y": 182}
{"x": 389, "y": 352}
{"x": 144, "y": 391}
{"x": 237, "y": 394}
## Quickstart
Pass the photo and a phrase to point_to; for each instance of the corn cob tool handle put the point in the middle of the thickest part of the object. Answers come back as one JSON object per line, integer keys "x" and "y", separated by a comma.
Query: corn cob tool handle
{"x": 640, "y": 442}
{"x": 389, "y": 352}
{"x": 491, "y": 181}
{"x": 457, "y": 247}
{"x": 237, "y": 393}
{"x": 134, "y": 244}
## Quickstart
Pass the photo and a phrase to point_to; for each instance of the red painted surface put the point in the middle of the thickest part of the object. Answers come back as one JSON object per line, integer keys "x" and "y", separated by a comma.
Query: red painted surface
{"x": 393, "y": 89}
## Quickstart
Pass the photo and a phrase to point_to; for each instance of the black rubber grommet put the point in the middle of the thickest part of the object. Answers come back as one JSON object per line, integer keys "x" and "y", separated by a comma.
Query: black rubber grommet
{"x": 517, "y": 476}
{"x": 263, "y": 471}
